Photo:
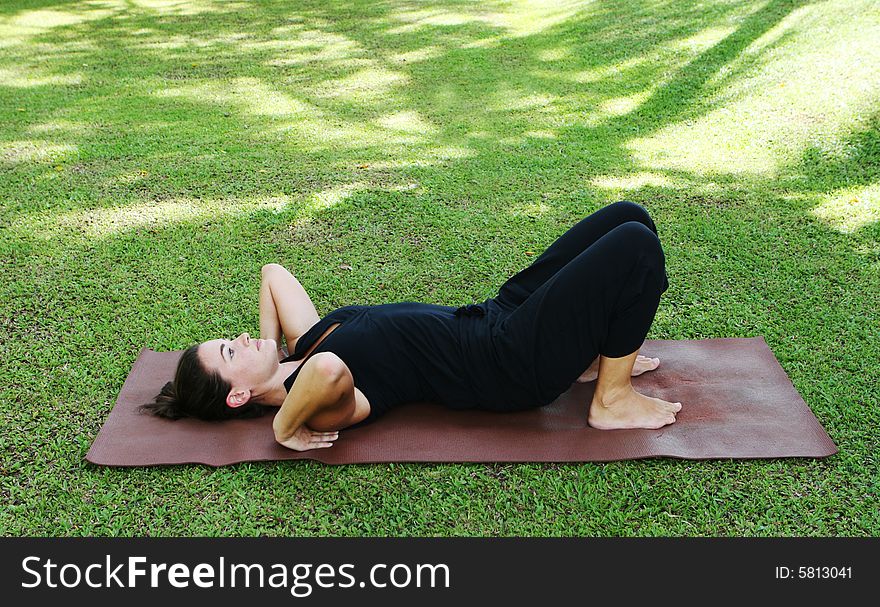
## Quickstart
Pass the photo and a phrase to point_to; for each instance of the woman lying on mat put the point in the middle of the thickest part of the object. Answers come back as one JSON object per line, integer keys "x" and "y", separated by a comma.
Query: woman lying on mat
{"x": 580, "y": 312}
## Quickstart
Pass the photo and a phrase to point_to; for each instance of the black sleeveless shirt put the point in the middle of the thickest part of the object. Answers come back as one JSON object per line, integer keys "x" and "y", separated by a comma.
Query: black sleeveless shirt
{"x": 415, "y": 352}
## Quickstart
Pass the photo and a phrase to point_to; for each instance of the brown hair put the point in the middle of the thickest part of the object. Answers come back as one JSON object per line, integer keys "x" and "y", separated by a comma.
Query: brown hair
{"x": 197, "y": 392}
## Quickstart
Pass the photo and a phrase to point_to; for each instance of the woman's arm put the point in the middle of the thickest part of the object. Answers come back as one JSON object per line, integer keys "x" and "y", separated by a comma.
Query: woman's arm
{"x": 270, "y": 327}
{"x": 284, "y": 307}
{"x": 324, "y": 397}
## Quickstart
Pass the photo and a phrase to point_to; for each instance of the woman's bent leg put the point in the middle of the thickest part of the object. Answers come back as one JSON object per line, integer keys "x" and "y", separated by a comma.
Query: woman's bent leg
{"x": 602, "y": 302}
{"x": 578, "y": 238}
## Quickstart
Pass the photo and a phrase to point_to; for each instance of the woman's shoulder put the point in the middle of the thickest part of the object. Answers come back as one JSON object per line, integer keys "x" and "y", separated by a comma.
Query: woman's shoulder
{"x": 307, "y": 339}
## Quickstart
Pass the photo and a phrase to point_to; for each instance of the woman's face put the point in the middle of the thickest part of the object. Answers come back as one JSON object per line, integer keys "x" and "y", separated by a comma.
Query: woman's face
{"x": 244, "y": 362}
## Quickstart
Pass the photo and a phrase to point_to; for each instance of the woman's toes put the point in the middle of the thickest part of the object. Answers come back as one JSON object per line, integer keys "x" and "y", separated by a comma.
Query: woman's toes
{"x": 644, "y": 364}
{"x": 671, "y": 408}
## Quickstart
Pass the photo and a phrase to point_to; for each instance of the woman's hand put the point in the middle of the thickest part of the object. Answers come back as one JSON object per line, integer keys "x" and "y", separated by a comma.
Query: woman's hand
{"x": 304, "y": 438}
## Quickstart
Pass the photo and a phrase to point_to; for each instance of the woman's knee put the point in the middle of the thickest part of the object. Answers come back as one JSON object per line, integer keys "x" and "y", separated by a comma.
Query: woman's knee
{"x": 641, "y": 238}
{"x": 633, "y": 211}
{"x": 642, "y": 246}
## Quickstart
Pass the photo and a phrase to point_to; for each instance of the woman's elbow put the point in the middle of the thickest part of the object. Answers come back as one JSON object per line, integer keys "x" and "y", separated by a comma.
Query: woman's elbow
{"x": 281, "y": 432}
{"x": 332, "y": 373}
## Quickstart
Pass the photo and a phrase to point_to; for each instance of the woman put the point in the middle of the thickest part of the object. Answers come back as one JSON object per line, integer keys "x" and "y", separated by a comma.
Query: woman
{"x": 586, "y": 303}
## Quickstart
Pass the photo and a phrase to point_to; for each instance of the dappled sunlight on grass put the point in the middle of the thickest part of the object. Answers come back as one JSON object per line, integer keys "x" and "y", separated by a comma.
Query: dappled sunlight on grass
{"x": 34, "y": 150}
{"x": 365, "y": 86}
{"x": 335, "y": 195}
{"x": 702, "y": 40}
{"x": 510, "y": 100}
{"x": 618, "y": 106}
{"x": 111, "y": 221}
{"x": 155, "y": 40}
{"x": 540, "y": 135}
{"x": 26, "y": 24}
{"x": 532, "y": 209}
{"x": 182, "y": 7}
{"x": 797, "y": 87}
{"x": 422, "y": 54}
{"x": 153, "y": 216}
{"x": 299, "y": 46}
{"x": 529, "y": 17}
{"x": 706, "y": 147}
{"x": 312, "y": 126}
{"x": 554, "y": 54}
{"x": 609, "y": 70}
{"x": 65, "y": 127}
{"x": 19, "y": 78}
{"x": 250, "y": 95}
{"x": 316, "y": 89}
{"x": 484, "y": 43}
{"x": 305, "y": 125}
{"x": 517, "y": 18}
{"x": 634, "y": 181}
{"x": 409, "y": 122}
{"x": 44, "y": 19}
{"x": 850, "y": 209}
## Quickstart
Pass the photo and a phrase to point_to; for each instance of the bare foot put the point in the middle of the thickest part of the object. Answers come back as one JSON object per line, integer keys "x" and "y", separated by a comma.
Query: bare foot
{"x": 642, "y": 364}
{"x": 630, "y": 409}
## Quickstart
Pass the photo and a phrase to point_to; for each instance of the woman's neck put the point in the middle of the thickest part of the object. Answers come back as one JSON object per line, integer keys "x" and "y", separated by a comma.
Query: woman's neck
{"x": 277, "y": 392}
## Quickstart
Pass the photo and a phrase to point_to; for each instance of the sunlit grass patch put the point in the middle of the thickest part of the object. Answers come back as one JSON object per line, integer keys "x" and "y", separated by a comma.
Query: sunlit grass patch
{"x": 296, "y": 46}
{"x": 366, "y": 85}
{"x": 34, "y": 150}
{"x": 517, "y": 18}
{"x": 180, "y": 7}
{"x": 850, "y": 209}
{"x": 620, "y": 106}
{"x": 96, "y": 224}
{"x": 633, "y": 181}
{"x": 793, "y": 86}
{"x": 409, "y": 122}
{"x": 30, "y": 78}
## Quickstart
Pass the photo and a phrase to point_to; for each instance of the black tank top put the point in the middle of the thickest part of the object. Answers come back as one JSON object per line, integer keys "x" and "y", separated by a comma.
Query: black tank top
{"x": 411, "y": 352}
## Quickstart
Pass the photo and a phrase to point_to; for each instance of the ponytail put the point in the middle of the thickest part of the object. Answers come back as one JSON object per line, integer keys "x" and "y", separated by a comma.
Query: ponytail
{"x": 166, "y": 404}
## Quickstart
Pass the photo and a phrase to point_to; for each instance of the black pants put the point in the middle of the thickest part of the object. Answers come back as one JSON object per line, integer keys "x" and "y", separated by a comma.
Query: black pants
{"x": 593, "y": 291}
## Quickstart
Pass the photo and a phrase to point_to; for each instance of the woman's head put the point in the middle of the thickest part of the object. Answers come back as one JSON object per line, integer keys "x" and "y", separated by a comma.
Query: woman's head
{"x": 218, "y": 380}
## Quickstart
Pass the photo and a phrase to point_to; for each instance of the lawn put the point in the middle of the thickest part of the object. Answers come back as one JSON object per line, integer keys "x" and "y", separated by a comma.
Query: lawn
{"x": 154, "y": 154}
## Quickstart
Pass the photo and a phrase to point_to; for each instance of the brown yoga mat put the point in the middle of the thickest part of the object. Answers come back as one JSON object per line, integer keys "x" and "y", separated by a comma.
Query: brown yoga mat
{"x": 737, "y": 403}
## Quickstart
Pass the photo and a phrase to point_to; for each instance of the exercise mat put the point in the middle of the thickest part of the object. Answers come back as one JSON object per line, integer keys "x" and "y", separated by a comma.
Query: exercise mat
{"x": 737, "y": 402}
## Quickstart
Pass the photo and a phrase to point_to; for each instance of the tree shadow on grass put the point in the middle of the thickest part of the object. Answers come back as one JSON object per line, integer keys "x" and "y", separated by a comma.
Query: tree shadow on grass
{"x": 176, "y": 105}
{"x": 198, "y": 110}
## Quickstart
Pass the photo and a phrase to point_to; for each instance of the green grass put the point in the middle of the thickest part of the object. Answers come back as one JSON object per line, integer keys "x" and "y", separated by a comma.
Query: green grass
{"x": 155, "y": 154}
